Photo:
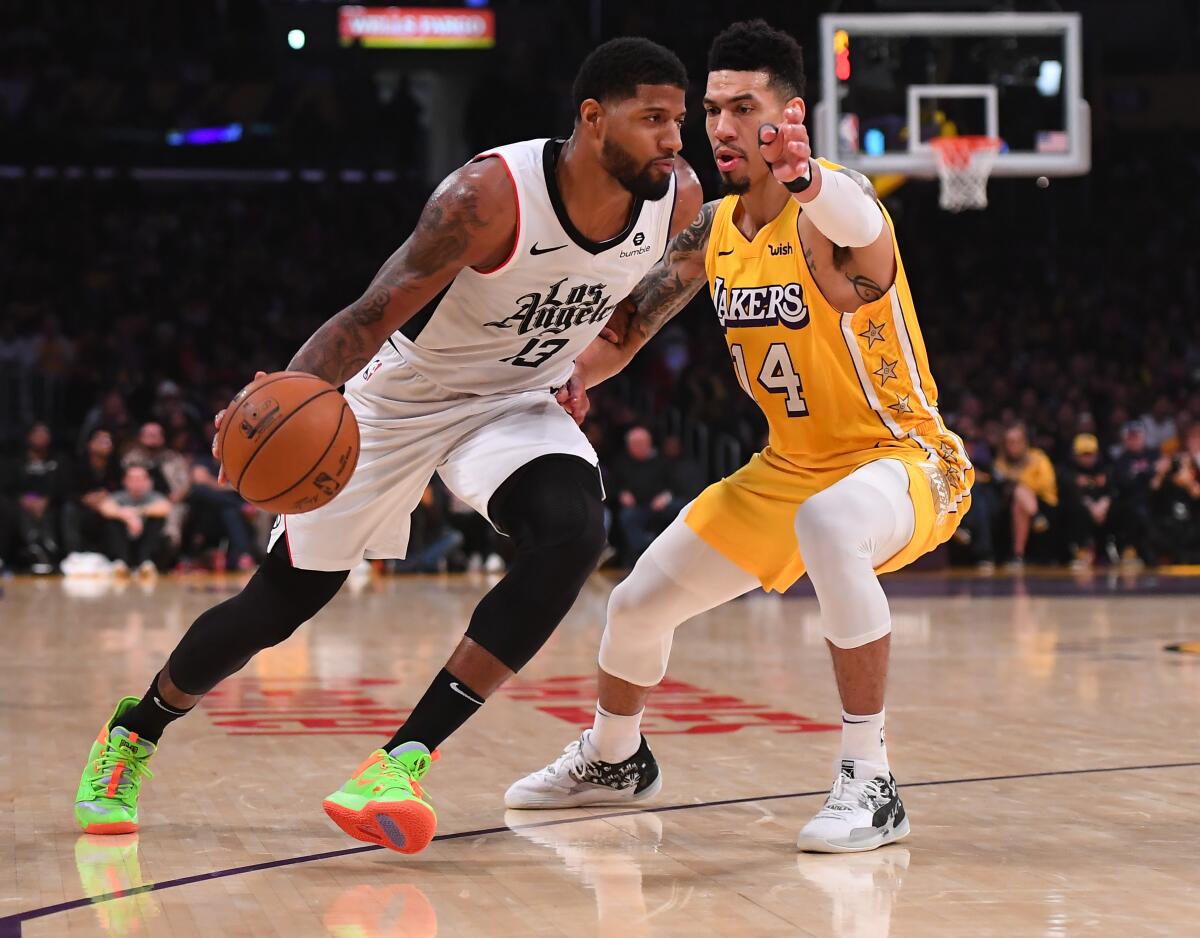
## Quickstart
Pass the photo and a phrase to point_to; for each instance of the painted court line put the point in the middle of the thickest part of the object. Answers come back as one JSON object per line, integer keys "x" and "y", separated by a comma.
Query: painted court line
{"x": 10, "y": 925}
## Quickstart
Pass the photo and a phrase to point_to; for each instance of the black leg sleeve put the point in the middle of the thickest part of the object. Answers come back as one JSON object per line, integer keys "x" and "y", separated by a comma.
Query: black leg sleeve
{"x": 552, "y": 509}
{"x": 278, "y": 599}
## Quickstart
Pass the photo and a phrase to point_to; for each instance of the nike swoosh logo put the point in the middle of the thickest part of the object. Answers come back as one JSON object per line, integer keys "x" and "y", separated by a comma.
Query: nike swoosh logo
{"x": 724, "y": 253}
{"x": 844, "y": 720}
{"x": 535, "y": 250}
{"x": 162, "y": 706}
{"x": 454, "y": 686}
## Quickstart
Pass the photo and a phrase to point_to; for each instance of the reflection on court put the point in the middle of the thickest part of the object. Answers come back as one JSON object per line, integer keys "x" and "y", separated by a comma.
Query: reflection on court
{"x": 1001, "y": 709}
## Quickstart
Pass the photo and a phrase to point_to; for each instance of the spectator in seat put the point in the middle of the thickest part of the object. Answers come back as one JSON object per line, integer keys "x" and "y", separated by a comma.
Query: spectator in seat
{"x": 687, "y": 477}
{"x": 136, "y": 516}
{"x": 973, "y": 541}
{"x": 1087, "y": 498}
{"x": 1132, "y": 473}
{"x": 217, "y": 513}
{"x": 96, "y": 477}
{"x": 1030, "y": 489}
{"x": 1175, "y": 502}
{"x": 431, "y": 540}
{"x": 37, "y": 483}
{"x": 111, "y": 414}
{"x": 169, "y": 473}
{"x": 644, "y": 494}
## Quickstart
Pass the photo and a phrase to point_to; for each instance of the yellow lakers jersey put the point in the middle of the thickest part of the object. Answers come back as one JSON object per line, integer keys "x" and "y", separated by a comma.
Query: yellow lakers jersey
{"x": 838, "y": 387}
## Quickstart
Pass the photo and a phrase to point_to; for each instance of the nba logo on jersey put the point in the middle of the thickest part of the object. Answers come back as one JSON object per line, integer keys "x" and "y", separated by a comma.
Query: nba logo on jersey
{"x": 371, "y": 369}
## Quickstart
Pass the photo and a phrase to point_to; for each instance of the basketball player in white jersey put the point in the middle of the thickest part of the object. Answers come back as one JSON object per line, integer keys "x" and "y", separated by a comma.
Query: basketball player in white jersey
{"x": 450, "y": 361}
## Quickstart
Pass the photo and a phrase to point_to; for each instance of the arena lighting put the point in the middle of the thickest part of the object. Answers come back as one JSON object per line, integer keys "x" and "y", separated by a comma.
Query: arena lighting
{"x": 203, "y": 136}
{"x": 296, "y": 38}
{"x": 1049, "y": 79}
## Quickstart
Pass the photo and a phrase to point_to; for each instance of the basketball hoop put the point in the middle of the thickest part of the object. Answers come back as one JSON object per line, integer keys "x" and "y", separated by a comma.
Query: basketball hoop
{"x": 964, "y": 164}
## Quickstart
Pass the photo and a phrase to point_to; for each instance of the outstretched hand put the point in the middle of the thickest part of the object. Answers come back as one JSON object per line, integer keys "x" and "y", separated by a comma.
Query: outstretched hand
{"x": 216, "y": 440}
{"x": 786, "y": 147}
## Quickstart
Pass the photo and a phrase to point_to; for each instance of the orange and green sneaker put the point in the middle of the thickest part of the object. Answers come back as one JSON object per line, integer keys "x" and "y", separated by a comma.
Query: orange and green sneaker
{"x": 106, "y": 802}
{"x": 383, "y": 803}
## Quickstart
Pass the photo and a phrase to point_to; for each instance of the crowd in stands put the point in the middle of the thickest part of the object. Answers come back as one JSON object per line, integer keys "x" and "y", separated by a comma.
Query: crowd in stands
{"x": 1067, "y": 355}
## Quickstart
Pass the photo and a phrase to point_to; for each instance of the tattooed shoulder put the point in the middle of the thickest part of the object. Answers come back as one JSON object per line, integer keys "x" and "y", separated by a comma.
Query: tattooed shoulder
{"x": 460, "y": 209}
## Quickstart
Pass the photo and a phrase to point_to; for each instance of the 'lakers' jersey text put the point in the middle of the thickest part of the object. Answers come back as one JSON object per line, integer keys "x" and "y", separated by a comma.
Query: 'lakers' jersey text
{"x": 839, "y": 388}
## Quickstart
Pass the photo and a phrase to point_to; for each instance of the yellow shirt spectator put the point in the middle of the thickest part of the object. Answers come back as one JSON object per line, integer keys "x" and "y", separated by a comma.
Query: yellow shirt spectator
{"x": 1034, "y": 470}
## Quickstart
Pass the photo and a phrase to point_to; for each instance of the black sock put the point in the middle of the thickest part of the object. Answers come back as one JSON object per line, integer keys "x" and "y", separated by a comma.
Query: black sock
{"x": 151, "y": 715}
{"x": 446, "y": 705}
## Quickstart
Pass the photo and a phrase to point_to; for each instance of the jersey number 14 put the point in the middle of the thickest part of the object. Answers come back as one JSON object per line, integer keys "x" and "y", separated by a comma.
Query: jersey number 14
{"x": 777, "y": 375}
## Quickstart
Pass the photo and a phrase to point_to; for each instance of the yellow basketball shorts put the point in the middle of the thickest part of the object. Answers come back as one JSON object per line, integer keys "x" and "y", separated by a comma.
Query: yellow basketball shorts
{"x": 749, "y": 516}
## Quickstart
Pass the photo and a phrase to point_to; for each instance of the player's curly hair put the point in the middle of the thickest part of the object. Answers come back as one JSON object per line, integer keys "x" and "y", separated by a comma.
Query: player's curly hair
{"x": 755, "y": 46}
{"x": 613, "y": 70}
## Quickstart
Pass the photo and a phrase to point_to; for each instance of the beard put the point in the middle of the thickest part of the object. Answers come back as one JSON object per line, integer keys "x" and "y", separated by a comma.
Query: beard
{"x": 643, "y": 182}
{"x": 731, "y": 186}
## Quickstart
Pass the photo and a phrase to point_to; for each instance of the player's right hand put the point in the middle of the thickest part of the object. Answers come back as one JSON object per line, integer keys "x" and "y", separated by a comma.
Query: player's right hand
{"x": 785, "y": 146}
{"x": 216, "y": 440}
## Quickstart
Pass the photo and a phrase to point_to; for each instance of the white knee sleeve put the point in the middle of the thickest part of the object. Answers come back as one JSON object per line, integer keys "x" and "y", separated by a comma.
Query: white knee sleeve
{"x": 680, "y": 576}
{"x": 844, "y": 533}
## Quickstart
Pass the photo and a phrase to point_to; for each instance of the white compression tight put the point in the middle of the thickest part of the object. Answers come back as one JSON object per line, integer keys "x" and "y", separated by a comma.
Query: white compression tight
{"x": 844, "y": 532}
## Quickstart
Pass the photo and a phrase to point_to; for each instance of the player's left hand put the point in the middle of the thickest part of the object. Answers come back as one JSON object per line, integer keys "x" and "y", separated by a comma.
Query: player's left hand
{"x": 573, "y": 397}
{"x": 786, "y": 146}
{"x": 216, "y": 440}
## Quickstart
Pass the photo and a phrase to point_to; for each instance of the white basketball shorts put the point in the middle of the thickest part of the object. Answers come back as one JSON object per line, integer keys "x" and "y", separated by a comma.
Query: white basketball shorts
{"x": 409, "y": 429}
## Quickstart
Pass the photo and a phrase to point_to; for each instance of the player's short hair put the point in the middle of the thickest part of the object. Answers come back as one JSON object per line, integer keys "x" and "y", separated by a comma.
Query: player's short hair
{"x": 613, "y": 70}
{"x": 755, "y": 46}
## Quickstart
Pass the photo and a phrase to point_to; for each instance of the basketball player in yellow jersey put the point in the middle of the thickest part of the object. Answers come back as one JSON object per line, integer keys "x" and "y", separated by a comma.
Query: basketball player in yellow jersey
{"x": 860, "y": 475}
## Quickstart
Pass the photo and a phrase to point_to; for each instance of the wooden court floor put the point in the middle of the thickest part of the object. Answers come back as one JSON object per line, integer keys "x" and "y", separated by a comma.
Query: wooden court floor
{"x": 1046, "y": 747}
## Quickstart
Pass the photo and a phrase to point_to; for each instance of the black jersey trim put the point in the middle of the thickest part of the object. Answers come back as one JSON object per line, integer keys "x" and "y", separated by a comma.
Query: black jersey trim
{"x": 671, "y": 215}
{"x": 549, "y": 159}
{"x": 413, "y": 328}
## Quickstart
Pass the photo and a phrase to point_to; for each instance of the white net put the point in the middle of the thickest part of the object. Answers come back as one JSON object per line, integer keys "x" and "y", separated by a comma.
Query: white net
{"x": 964, "y": 164}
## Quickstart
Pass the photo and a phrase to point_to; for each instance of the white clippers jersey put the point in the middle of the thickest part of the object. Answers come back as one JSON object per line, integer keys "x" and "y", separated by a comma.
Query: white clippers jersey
{"x": 520, "y": 326}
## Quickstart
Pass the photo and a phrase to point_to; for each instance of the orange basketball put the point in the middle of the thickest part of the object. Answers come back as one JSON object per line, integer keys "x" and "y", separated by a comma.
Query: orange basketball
{"x": 289, "y": 442}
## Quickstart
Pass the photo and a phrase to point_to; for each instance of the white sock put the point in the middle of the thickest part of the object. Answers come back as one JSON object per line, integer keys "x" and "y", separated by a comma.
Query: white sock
{"x": 863, "y": 741}
{"x": 614, "y": 737}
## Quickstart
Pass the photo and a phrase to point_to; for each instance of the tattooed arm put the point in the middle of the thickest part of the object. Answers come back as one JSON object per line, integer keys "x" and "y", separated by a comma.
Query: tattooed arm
{"x": 868, "y": 271}
{"x": 470, "y": 220}
{"x": 848, "y": 276}
{"x": 666, "y": 289}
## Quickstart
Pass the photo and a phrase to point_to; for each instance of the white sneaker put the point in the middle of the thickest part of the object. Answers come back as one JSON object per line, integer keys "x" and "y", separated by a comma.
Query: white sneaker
{"x": 859, "y": 814}
{"x": 571, "y": 781}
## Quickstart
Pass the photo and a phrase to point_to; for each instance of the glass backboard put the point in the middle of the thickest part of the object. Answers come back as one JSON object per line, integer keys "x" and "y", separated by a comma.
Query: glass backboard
{"x": 891, "y": 82}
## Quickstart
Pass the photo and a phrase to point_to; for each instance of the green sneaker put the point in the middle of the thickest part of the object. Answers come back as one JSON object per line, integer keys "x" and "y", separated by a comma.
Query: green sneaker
{"x": 106, "y": 802}
{"x": 383, "y": 803}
